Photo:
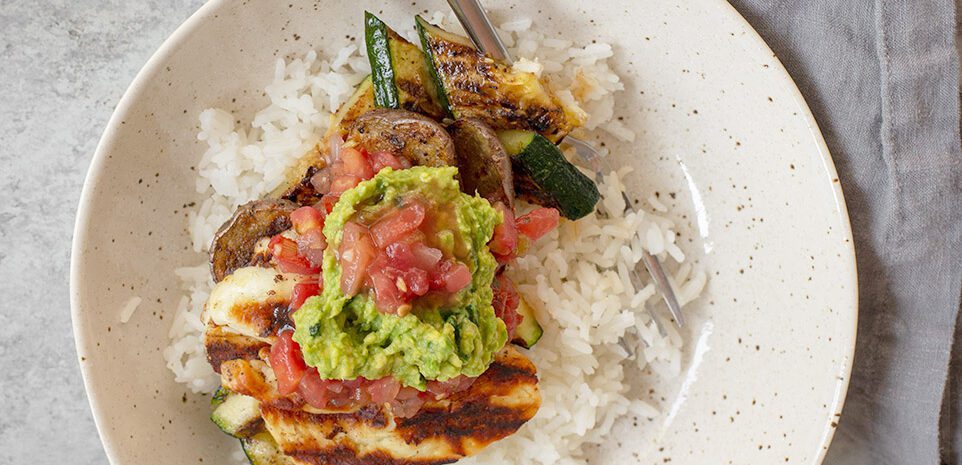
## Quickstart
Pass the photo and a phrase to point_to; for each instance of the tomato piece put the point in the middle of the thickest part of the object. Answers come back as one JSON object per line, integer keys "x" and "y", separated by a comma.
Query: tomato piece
{"x": 442, "y": 389}
{"x": 505, "y": 303}
{"x": 396, "y": 225}
{"x": 426, "y": 258}
{"x": 306, "y": 218}
{"x": 387, "y": 297}
{"x": 339, "y": 184}
{"x": 304, "y": 290}
{"x": 381, "y": 160}
{"x": 356, "y": 163}
{"x": 311, "y": 245}
{"x": 456, "y": 278}
{"x": 356, "y": 253}
{"x": 287, "y": 363}
{"x": 384, "y": 389}
{"x": 327, "y": 202}
{"x": 505, "y": 237}
{"x": 400, "y": 255}
{"x": 538, "y": 222}
{"x": 322, "y": 181}
{"x": 315, "y": 390}
{"x": 284, "y": 252}
{"x": 407, "y": 402}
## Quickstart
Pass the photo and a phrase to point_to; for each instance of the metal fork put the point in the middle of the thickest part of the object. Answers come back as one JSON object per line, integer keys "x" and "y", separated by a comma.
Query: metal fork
{"x": 476, "y": 23}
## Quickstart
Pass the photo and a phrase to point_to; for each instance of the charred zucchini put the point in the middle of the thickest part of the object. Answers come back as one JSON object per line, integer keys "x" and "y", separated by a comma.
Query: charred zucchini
{"x": 235, "y": 414}
{"x": 542, "y": 175}
{"x": 360, "y": 102}
{"x": 262, "y": 449}
{"x": 470, "y": 84}
{"x": 528, "y": 331}
{"x": 398, "y": 70}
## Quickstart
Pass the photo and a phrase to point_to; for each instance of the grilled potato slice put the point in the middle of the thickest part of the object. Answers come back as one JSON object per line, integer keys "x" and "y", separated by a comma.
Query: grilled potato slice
{"x": 415, "y": 137}
{"x": 483, "y": 165}
{"x": 233, "y": 245}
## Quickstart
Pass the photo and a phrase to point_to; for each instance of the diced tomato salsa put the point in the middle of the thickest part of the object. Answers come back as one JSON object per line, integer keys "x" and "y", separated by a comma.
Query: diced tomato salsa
{"x": 293, "y": 375}
{"x": 395, "y": 253}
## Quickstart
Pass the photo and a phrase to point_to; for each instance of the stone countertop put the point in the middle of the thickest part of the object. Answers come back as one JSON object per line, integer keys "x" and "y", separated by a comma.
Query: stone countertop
{"x": 65, "y": 65}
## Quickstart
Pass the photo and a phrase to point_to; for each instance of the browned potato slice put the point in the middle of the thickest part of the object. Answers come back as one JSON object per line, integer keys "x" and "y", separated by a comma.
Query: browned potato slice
{"x": 483, "y": 165}
{"x": 233, "y": 245}
{"x": 416, "y": 137}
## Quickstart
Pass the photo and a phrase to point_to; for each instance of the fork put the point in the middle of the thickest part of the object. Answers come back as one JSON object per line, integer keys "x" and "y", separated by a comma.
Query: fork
{"x": 476, "y": 23}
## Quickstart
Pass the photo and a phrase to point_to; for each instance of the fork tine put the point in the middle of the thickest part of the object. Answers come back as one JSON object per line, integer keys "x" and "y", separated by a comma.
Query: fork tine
{"x": 653, "y": 265}
{"x": 588, "y": 153}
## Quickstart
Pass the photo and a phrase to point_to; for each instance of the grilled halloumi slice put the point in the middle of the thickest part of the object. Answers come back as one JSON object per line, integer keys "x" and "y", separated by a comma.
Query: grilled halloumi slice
{"x": 251, "y": 301}
{"x": 494, "y": 407}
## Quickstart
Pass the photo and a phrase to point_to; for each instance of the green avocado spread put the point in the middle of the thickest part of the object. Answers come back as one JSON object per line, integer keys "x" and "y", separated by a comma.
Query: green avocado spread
{"x": 346, "y": 337}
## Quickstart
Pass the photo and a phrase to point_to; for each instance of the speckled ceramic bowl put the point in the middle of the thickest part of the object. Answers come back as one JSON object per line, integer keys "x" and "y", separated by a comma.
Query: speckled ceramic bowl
{"x": 721, "y": 127}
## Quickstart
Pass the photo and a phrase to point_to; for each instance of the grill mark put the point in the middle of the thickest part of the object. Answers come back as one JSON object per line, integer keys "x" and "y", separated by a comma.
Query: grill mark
{"x": 303, "y": 193}
{"x": 345, "y": 455}
{"x": 266, "y": 317}
{"x": 223, "y": 348}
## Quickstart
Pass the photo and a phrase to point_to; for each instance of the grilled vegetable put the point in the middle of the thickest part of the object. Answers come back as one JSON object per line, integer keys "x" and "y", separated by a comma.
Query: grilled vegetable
{"x": 470, "y": 84}
{"x": 415, "y": 137}
{"x": 233, "y": 245}
{"x": 398, "y": 70}
{"x": 495, "y": 406}
{"x": 237, "y": 415}
{"x": 528, "y": 331}
{"x": 542, "y": 175}
{"x": 262, "y": 449}
{"x": 483, "y": 165}
{"x": 360, "y": 102}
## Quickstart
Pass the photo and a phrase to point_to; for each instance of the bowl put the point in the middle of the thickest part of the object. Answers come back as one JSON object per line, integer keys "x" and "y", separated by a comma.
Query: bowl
{"x": 722, "y": 130}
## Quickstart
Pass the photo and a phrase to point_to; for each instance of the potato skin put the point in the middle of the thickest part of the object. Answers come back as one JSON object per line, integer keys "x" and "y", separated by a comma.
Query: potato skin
{"x": 483, "y": 165}
{"x": 415, "y": 137}
{"x": 233, "y": 245}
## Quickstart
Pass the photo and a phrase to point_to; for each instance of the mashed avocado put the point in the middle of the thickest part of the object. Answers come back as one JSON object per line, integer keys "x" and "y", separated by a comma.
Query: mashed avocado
{"x": 347, "y": 337}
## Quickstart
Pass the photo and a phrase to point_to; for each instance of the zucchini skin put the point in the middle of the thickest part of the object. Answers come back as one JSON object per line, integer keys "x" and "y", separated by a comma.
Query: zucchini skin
{"x": 377, "y": 40}
{"x": 262, "y": 449}
{"x": 439, "y": 93}
{"x": 529, "y": 331}
{"x": 543, "y": 175}
{"x": 472, "y": 85}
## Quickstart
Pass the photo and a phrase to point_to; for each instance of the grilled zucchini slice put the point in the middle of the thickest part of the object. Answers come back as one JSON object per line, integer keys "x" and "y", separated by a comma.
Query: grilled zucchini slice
{"x": 398, "y": 70}
{"x": 236, "y": 414}
{"x": 543, "y": 175}
{"x": 262, "y": 449}
{"x": 360, "y": 102}
{"x": 469, "y": 84}
{"x": 529, "y": 330}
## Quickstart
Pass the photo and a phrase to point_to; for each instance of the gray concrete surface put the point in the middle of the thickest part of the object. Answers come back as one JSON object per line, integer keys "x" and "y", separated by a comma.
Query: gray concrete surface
{"x": 64, "y": 64}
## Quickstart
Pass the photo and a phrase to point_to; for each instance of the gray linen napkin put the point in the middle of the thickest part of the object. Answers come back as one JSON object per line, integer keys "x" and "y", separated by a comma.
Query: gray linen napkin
{"x": 882, "y": 78}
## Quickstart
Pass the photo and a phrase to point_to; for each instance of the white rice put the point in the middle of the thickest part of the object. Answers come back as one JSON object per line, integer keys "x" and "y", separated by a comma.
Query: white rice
{"x": 128, "y": 309}
{"x": 577, "y": 278}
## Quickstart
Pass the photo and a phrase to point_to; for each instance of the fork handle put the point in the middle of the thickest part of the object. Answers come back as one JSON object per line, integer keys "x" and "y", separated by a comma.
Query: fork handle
{"x": 479, "y": 28}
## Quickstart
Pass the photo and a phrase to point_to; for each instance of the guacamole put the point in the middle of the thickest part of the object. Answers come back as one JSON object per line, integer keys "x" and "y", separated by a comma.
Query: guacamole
{"x": 346, "y": 337}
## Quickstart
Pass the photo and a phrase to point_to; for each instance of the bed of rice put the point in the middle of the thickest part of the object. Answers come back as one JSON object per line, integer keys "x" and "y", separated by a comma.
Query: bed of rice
{"x": 577, "y": 278}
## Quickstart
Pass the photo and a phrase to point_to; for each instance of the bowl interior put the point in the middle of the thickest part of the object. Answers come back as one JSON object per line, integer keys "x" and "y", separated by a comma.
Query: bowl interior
{"x": 723, "y": 137}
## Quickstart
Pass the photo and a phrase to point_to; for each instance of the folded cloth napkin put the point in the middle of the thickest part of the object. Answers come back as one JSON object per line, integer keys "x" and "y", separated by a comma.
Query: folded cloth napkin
{"x": 882, "y": 78}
